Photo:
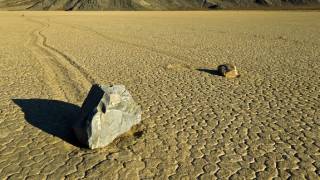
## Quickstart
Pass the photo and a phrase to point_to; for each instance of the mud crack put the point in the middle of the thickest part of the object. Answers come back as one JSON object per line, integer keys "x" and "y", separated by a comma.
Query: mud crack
{"x": 67, "y": 79}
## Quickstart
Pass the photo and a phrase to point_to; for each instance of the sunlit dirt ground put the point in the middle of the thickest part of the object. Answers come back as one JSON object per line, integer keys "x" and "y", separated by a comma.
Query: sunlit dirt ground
{"x": 195, "y": 124}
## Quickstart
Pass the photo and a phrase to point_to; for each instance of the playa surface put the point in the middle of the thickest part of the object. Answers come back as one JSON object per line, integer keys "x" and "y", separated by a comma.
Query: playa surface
{"x": 195, "y": 124}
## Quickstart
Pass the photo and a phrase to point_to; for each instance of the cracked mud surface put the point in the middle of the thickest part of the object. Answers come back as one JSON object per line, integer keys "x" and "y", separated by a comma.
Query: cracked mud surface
{"x": 262, "y": 125}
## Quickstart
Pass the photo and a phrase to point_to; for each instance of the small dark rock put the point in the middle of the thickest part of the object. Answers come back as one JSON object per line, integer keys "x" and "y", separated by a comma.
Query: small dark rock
{"x": 228, "y": 71}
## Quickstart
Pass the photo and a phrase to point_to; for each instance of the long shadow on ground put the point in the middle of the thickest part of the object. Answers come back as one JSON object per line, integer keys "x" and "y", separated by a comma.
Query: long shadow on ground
{"x": 51, "y": 116}
{"x": 210, "y": 71}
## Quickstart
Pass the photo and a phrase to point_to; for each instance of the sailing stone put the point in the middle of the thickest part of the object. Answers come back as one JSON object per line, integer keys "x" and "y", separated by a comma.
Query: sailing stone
{"x": 228, "y": 71}
{"x": 107, "y": 112}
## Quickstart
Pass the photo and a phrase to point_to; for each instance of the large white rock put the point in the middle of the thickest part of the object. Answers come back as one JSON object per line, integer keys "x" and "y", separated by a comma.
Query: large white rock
{"x": 107, "y": 112}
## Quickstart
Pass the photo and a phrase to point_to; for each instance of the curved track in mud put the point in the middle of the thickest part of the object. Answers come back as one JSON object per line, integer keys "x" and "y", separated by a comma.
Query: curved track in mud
{"x": 180, "y": 59}
{"x": 68, "y": 79}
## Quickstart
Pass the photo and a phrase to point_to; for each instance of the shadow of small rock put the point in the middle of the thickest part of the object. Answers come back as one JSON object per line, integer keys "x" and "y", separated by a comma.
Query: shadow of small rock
{"x": 210, "y": 71}
{"x": 51, "y": 116}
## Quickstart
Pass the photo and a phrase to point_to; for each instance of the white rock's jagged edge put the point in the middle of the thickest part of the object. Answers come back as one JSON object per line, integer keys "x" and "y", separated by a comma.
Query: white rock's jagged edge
{"x": 105, "y": 118}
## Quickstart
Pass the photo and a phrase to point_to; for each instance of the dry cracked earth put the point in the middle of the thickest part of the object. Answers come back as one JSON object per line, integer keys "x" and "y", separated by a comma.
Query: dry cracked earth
{"x": 263, "y": 125}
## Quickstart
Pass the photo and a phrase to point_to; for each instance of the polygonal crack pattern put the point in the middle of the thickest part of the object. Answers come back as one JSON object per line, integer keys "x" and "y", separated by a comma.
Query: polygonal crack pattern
{"x": 262, "y": 125}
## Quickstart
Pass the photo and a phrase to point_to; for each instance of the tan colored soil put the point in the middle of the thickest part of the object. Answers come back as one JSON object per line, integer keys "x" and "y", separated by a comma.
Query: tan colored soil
{"x": 195, "y": 124}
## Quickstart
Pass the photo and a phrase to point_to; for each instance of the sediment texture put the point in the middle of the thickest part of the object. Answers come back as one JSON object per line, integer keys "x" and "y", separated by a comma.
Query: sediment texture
{"x": 156, "y": 4}
{"x": 262, "y": 125}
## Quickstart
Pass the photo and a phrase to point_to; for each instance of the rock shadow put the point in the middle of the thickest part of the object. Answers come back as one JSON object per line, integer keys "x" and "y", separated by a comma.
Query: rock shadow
{"x": 210, "y": 71}
{"x": 51, "y": 116}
